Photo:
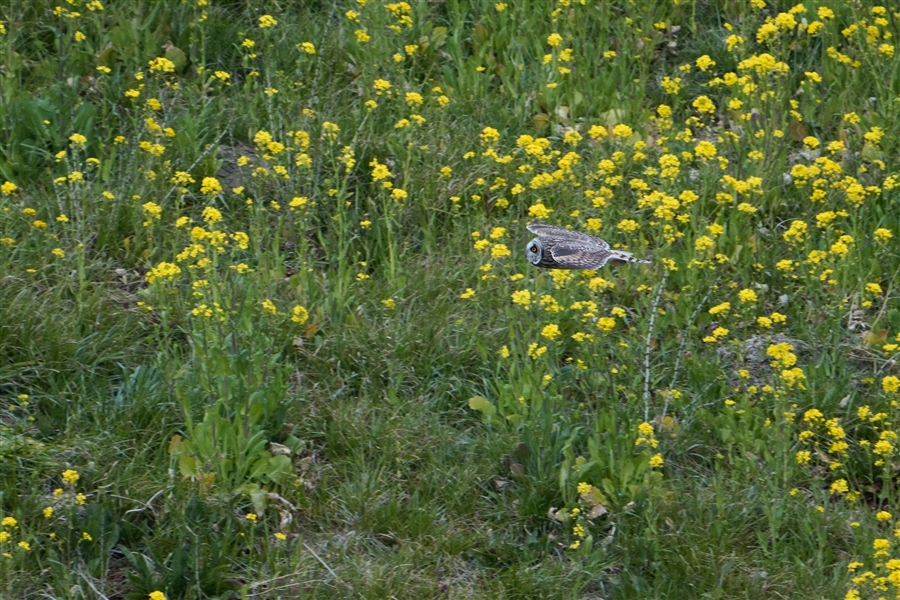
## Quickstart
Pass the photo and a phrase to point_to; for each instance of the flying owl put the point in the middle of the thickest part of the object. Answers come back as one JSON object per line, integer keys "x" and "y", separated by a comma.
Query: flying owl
{"x": 560, "y": 248}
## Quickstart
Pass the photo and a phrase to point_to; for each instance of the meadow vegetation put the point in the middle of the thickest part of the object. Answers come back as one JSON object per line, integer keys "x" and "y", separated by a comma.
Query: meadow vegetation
{"x": 267, "y": 329}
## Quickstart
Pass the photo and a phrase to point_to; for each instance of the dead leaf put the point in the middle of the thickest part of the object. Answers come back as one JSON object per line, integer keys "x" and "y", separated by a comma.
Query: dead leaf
{"x": 279, "y": 449}
{"x": 541, "y": 119}
{"x": 873, "y": 339}
{"x": 597, "y": 510}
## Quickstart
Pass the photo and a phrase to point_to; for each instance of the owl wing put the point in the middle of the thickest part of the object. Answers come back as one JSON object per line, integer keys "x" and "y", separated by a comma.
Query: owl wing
{"x": 545, "y": 229}
{"x": 576, "y": 254}
{"x": 559, "y": 234}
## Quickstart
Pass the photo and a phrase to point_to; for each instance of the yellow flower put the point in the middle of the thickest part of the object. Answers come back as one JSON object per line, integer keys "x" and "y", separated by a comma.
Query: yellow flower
{"x": 241, "y": 239}
{"x": 379, "y": 171}
{"x": 381, "y": 85}
{"x": 890, "y": 384}
{"x": 839, "y": 487}
{"x": 703, "y": 243}
{"x": 152, "y": 210}
{"x": 467, "y": 294}
{"x": 489, "y": 135}
{"x": 267, "y": 21}
{"x": 163, "y": 270}
{"x": 539, "y": 211}
{"x": 269, "y": 306}
{"x": 704, "y": 105}
{"x": 157, "y": 596}
{"x": 70, "y": 476}
{"x": 722, "y": 308}
{"x": 572, "y": 137}
{"x": 551, "y": 331}
{"x": 330, "y": 130}
{"x": 606, "y": 324}
{"x": 883, "y": 447}
{"x": 597, "y": 132}
{"x": 500, "y": 251}
{"x": 705, "y": 62}
{"x": 882, "y": 235}
{"x": 795, "y": 232}
{"x": 747, "y": 295}
{"x": 705, "y": 150}
{"x": 670, "y": 85}
{"x": 628, "y": 225}
{"x": 182, "y": 178}
{"x": 211, "y": 215}
{"x": 784, "y": 265}
{"x": 162, "y": 64}
{"x": 414, "y": 99}
{"x": 210, "y": 186}
{"x": 299, "y": 314}
{"x": 522, "y": 297}
{"x": 622, "y": 131}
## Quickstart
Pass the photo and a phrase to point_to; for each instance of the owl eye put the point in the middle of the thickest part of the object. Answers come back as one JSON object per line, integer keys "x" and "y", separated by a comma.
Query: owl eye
{"x": 533, "y": 248}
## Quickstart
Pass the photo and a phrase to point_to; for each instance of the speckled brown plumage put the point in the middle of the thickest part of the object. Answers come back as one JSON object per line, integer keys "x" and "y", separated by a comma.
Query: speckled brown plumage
{"x": 560, "y": 248}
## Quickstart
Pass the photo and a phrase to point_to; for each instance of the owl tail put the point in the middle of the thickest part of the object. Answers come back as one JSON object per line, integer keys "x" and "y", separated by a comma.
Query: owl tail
{"x": 619, "y": 257}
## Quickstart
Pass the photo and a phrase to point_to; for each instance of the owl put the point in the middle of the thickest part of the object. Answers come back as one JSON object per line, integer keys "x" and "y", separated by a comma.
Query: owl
{"x": 560, "y": 248}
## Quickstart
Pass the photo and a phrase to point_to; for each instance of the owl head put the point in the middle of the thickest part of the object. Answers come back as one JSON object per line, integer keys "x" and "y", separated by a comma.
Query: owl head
{"x": 534, "y": 250}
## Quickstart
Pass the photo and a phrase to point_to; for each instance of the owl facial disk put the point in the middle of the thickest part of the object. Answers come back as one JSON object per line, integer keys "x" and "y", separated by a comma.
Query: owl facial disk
{"x": 533, "y": 251}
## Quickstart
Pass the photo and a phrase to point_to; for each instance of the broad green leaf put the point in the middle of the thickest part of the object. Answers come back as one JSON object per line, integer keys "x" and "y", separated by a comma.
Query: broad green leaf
{"x": 482, "y": 405}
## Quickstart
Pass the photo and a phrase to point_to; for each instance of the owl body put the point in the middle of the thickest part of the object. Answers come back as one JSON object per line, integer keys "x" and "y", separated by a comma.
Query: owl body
{"x": 560, "y": 248}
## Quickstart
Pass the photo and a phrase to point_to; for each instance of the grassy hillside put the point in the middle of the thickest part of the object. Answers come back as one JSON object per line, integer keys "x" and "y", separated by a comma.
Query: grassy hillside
{"x": 267, "y": 329}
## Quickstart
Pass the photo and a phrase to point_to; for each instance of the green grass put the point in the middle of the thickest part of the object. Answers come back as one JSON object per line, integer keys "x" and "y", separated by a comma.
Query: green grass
{"x": 266, "y": 328}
